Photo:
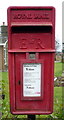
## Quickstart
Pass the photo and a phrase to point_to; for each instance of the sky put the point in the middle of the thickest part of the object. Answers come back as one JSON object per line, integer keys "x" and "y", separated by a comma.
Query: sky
{"x": 55, "y": 3}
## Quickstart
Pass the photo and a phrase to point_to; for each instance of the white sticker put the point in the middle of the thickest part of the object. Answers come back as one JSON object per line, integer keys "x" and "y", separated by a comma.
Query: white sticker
{"x": 31, "y": 80}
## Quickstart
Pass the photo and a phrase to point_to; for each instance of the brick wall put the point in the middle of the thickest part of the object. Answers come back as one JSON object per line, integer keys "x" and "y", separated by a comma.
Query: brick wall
{"x": 2, "y": 58}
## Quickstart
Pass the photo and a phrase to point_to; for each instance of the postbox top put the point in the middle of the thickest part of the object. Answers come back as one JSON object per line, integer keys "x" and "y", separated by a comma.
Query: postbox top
{"x": 31, "y": 27}
{"x": 31, "y": 7}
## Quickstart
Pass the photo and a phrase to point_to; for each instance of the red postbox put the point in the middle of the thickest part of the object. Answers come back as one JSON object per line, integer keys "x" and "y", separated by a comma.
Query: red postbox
{"x": 31, "y": 47}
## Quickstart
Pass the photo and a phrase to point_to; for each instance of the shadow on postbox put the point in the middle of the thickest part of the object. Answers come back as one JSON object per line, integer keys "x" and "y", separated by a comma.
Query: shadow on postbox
{"x": 31, "y": 47}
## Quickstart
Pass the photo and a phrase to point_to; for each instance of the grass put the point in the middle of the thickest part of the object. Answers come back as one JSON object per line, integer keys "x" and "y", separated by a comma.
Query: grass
{"x": 57, "y": 102}
{"x": 57, "y": 98}
{"x": 58, "y": 69}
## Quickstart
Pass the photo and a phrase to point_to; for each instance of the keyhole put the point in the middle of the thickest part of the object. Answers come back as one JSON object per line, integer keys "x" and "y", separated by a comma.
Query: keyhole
{"x": 19, "y": 82}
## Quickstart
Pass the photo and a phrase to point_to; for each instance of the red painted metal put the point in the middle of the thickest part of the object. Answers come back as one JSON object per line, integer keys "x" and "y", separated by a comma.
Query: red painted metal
{"x": 31, "y": 30}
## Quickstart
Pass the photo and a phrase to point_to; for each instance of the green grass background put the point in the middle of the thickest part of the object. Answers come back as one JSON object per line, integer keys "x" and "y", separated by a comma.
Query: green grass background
{"x": 58, "y": 69}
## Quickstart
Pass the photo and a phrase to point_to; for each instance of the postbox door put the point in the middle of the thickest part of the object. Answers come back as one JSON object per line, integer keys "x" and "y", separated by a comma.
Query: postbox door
{"x": 25, "y": 99}
{"x": 29, "y": 81}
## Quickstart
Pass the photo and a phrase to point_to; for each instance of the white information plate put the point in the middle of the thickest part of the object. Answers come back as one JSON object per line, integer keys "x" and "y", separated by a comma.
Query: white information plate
{"x": 31, "y": 80}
